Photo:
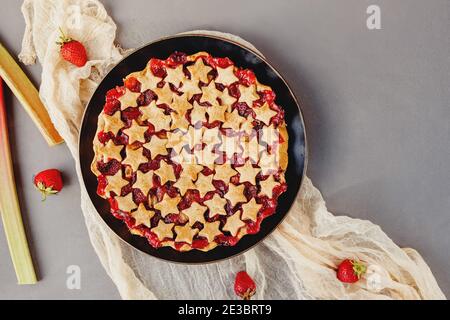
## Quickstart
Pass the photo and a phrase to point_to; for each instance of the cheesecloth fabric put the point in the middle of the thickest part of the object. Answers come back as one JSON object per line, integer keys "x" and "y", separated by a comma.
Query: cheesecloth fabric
{"x": 297, "y": 261}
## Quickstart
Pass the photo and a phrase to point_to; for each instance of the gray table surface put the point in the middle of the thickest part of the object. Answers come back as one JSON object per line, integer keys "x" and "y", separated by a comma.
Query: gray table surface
{"x": 376, "y": 106}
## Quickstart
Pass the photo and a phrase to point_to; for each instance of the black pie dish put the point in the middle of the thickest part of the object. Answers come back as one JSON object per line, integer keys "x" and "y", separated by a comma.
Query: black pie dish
{"x": 242, "y": 57}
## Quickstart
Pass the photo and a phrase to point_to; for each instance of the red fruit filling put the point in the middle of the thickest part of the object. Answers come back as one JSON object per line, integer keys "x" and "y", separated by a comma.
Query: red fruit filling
{"x": 132, "y": 84}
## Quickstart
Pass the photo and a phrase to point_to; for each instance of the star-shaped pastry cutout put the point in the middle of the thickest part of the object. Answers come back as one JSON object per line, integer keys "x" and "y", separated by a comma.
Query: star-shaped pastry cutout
{"x": 185, "y": 233}
{"x": 192, "y": 170}
{"x": 235, "y": 194}
{"x": 175, "y": 75}
{"x": 268, "y": 162}
{"x": 134, "y": 157}
{"x": 247, "y": 172}
{"x": 135, "y": 132}
{"x": 126, "y": 203}
{"x": 144, "y": 181}
{"x": 113, "y": 123}
{"x": 165, "y": 94}
{"x": 110, "y": 151}
{"x": 224, "y": 172}
{"x": 233, "y": 120}
{"x": 179, "y": 121}
{"x": 210, "y": 230}
{"x": 163, "y": 230}
{"x": 142, "y": 216}
{"x": 148, "y": 81}
{"x": 175, "y": 141}
{"x": 269, "y": 134}
{"x": 210, "y": 93}
{"x": 216, "y": 205}
{"x": 156, "y": 146}
{"x": 233, "y": 224}
{"x": 198, "y": 113}
{"x": 195, "y": 213}
{"x": 199, "y": 71}
{"x": 226, "y": 99}
{"x": 248, "y": 94}
{"x": 180, "y": 104}
{"x": 204, "y": 184}
{"x": 165, "y": 172}
{"x": 216, "y": 113}
{"x": 212, "y": 136}
{"x": 247, "y": 127}
{"x": 155, "y": 116}
{"x": 190, "y": 87}
{"x": 168, "y": 205}
{"x": 250, "y": 210}
{"x": 267, "y": 186}
{"x": 226, "y": 75}
{"x": 115, "y": 183}
{"x": 184, "y": 183}
{"x": 264, "y": 113}
{"x": 128, "y": 99}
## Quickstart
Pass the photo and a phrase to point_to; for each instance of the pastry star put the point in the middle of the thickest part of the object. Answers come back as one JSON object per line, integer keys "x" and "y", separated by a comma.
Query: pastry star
{"x": 195, "y": 213}
{"x": 199, "y": 71}
{"x": 185, "y": 233}
{"x": 135, "y": 132}
{"x": 247, "y": 127}
{"x": 164, "y": 94}
{"x": 134, "y": 157}
{"x": 210, "y": 93}
{"x": 198, "y": 113}
{"x": 226, "y": 99}
{"x": 233, "y": 224}
{"x": 250, "y": 210}
{"x": 212, "y": 136}
{"x": 269, "y": 134}
{"x": 267, "y": 186}
{"x": 142, "y": 216}
{"x": 235, "y": 194}
{"x": 179, "y": 121}
{"x": 113, "y": 123}
{"x": 248, "y": 173}
{"x": 210, "y": 230}
{"x": 233, "y": 120}
{"x": 184, "y": 183}
{"x": 180, "y": 104}
{"x": 226, "y": 76}
{"x": 126, "y": 203}
{"x": 175, "y": 75}
{"x": 216, "y": 113}
{"x": 148, "y": 81}
{"x": 264, "y": 113}
{"x": 194, "y": 136}
{"x": 128, "y": 99}
{"x": 168, "y": 205}
{"x": 156, "y": 146}
{"x": 216, "y": 205}
{"x": 268, "y": 162}
{"x": 155, "y": 116}
{"x": 163, "y": 230}
{"x": 204, "y": 184}
{"x": 248, "y": 94}
{"x": 224, "y": 172}
{"x": 115, "y": 183}
{"x": 190, "y": 87}
{"x": 175, "y": 141}
{"x": 110, "y": 151}
{"x": 191, "y": 170}
{"x": 165, "y": 172}
{"x": 144, "y": 181}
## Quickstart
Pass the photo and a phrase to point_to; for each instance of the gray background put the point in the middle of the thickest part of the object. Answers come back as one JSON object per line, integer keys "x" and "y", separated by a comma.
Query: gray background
{"x": 376, "y": 106}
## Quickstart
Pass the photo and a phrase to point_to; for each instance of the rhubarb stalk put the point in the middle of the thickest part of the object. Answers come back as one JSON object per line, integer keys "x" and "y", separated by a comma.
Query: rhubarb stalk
{"x": 28, "y": 96}
{"x": 9, "y": 207}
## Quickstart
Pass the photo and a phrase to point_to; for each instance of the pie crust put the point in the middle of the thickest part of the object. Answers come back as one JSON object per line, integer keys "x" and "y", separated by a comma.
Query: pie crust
{"x": 191, "y": 152}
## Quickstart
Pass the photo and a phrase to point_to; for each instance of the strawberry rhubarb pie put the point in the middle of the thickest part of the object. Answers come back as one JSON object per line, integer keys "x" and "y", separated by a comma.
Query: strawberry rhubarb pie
{"x": 191, "y": 152}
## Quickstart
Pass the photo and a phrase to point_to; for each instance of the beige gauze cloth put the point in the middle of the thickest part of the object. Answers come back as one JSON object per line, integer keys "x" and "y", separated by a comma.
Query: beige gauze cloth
{"x": 297, "y": 261}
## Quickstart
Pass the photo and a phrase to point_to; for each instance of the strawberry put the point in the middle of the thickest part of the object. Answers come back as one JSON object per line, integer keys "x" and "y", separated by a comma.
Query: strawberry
{"x": 48, "y": 182}
{"x": 244, "y": 286}
{"x": 72, "y": 50}
{"x": 350, "y": 271}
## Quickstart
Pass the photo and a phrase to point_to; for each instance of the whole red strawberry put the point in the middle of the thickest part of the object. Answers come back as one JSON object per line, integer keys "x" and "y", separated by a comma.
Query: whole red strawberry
{"x": 350, "y": 271}
{"x": 244, "y": 286}
{"x": 72, "y": 50}
{"x": 48, "y": 182}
